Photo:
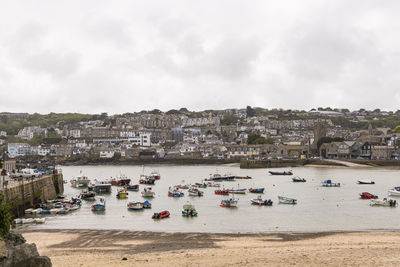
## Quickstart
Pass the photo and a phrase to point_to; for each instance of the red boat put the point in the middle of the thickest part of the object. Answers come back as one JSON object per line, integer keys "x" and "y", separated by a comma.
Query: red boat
{"x": 146, "y": 181}
{"x": 122, "y": 182}
{"x": 366, "y": 195}
{"x": 221, "y": 192}
{"x": 155, "y": 175}
{"x": 160, "y": 215}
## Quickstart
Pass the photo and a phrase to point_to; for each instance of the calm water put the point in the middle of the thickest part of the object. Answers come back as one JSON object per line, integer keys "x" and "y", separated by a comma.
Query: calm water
{"x": 318, "y": 208}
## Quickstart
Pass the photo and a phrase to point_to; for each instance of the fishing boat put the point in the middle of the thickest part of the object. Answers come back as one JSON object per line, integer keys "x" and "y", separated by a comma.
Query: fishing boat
{"x": 383, "y": 202}
{"x": 76, "y": 184}
{"x": 287, "y": 200}
{"x": 237, "y": 191}
{"x": 394, "y": 191}
{"x": 221, "y": 192}
{"x": 201, "y": 185}
{"x": 256, "y": 190}
{"x": 218, "y": 177}
{"x": 147, "y": 180}
{"x": 366, "y": 181}
{"x": 160, "y": 215}
{"x": 229, "y": 203}
{"x": 122, "y": 194}
{"x": 261, "y": 202}
{"x": 147, "y": 192}
{"x": 102, "y": 187}
{"x": 135, "y": 205}
{"x": 83, "y": 180}
{"x": 213, "y": 184}
{"x": 28, "y": 211}
{"x": 88, "y": 195}
{"x": 329, "y": 183}
{"x": 100, "y": 206}
{"x": 155, "y": 174}
{"x": 132, "y": 187}
{"x": 281, "y": 173}
{"x": 189, "y": 210}
{"x": 39, "y": 220}
{"x": 194, "y": 191}
{"x": 175, "y": 192}
{"x": 74, "y": 207}
{"x": 366, "y": 195}
{"x": 120, "y": 180}
{"x": 298, "y": 180}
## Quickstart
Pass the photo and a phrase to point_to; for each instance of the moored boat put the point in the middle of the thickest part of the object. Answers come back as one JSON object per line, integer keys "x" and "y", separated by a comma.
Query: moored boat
{"x": 281, "y": 173}
{"x": 100, "y": 205}
{"x": 329, "y": 183}
{"x": 287, "y": 200}
{"x": 146, "y": 180}
{"x": 132, "y": 187}
{"x": 160, "y": 215}
{"x": 175, "y": 192}
{"x": 87, "y": 195}
{"x": 229, "y": 203}
{"x": 366, "y": 195}
{"x": 237, "y": 191}
{"x": 261, "y": 202}
{"x": 155, "y": 174}
{"x": 147, "y": 192}
{"x": 194, "y": 191}
{"x": 298, "y": 180}
{"x": 383, "y": 202}
{"x": 219, "y": 177}
{"x": 135, "y": 205}
{"x": 121, "y": 180}
{"x": 189, "y": 210}
{"x": 256, "y": 190}
{"x": 122, "y": 194}
{"x": 366, "y": 181}
{"x": 221, "y": 192}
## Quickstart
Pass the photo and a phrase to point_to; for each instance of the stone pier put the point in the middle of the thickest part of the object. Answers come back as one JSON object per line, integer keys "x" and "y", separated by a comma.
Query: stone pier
{"x": 33, "y": 191}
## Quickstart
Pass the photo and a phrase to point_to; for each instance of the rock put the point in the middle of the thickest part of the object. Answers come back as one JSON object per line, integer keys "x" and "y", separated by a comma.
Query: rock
{"x": 15, "y": 238}
{"x": 124, "y": 259}
{"x": 21, "y": 255}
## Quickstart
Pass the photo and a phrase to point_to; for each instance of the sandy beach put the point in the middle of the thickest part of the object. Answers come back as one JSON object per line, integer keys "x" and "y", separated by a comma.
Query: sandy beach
{"x": 109, "y": 247}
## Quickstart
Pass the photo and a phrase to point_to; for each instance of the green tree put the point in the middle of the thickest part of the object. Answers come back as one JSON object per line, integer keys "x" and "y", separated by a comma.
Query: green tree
{"x": 5, "y": 216}
{"x": 229, "y": 119}
{"x": 397, "y": 129}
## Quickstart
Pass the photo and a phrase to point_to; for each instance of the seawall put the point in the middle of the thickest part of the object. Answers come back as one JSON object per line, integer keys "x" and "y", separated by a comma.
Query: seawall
{"x": 33, "y": 191}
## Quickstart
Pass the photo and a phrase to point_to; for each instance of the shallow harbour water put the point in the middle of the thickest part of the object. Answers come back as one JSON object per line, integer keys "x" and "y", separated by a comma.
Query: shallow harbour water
{"x": 318, "y": 208}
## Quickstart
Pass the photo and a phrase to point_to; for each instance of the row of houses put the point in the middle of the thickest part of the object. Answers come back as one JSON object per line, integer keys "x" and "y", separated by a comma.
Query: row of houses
{"x": 353, "y": 150}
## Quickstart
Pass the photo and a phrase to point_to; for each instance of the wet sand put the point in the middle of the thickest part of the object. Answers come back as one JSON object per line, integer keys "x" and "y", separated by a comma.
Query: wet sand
{"x": 109, "y": 247}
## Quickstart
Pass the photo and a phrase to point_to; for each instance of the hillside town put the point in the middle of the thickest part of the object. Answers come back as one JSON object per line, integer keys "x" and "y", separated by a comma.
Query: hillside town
{"x": 231, "y": 134}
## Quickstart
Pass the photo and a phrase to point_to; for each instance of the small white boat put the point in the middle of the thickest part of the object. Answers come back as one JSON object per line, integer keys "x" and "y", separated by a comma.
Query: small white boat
{"x": 383, "y": 202}
{"x": 194, "y": 191}
{"x": 261, "y": 202}
{"x": 366, "y": 181}
{"x": 28, "y": 211}
{"x": 147, "y": 192}
{"x": 54, "y": 211}
{"x": 63, "y": 210}
{"x": 37, "y": 211}
{"x": 287, "y": 200}
{"x": 28, "y": 220}
{"x": 394, "y": 192}
{"x": 135, "y": 205}
{"x": 74, "y": 207}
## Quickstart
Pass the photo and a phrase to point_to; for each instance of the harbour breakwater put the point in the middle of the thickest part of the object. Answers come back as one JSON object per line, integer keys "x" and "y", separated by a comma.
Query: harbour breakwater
{"x": 33, "y": 191}
{"x": 254, "y": 164}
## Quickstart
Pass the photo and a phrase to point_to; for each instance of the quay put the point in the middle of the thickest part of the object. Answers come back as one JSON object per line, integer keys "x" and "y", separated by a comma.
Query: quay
{"x": 23, "y": 193}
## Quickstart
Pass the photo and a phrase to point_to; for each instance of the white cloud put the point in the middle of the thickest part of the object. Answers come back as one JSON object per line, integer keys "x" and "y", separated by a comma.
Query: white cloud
{"x": 96, "y": 56}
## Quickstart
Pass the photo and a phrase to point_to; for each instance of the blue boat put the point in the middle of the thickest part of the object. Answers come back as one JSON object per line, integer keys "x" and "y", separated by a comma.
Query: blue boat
{"x": 256, "y": 190}
{"x": 329, "y": 183}
{"x": 100, "y": 206}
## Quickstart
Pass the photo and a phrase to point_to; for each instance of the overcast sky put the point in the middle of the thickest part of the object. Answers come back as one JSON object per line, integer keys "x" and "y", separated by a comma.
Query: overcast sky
{"x": 124, "y": 56}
